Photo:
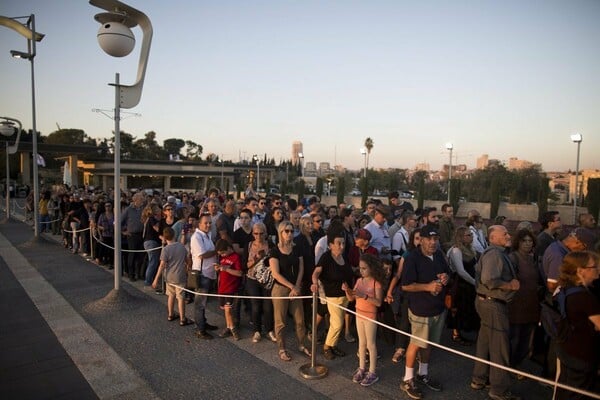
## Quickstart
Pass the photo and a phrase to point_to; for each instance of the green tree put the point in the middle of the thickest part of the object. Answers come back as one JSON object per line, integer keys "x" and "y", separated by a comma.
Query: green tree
{"x": 542, "y": 198}
{"x": 193, "y": 150}
{"x": 67, "y": 136}
{"x": 592, "y": 199}
{"x": 150, "y": 149}
{"x": 340, "y": 189}
{"x": 173, "y": 146}
{"x": 319, "y": 188}
{"x": 494, "y": 197}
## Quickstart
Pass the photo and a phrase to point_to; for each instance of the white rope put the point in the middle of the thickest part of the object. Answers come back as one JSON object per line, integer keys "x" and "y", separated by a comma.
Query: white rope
{"x": 459, "y": 353}
{"x": 240, "y": 296}
{"x": 124, "y": 250}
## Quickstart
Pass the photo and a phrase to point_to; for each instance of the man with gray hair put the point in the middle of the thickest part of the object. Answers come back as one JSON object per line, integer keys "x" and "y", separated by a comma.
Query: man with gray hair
{"x": 496, "y": 284}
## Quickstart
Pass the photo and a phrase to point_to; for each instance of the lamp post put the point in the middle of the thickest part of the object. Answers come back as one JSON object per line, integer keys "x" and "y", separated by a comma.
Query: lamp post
{"x": 449, "y": 147}
{"x": 363, "y": 151}
{"x": 117, "y": 40}
{"x": 28, "y": 31}
{"x": 222, "y": 166}
{"x": 7, "y": 129}
{"x": 576, "y": 138}
{"x": 301, "y": 158}
{"x": 255, "y": 158}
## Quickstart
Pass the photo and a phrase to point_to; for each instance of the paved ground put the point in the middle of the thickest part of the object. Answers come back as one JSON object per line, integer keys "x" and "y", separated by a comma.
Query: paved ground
{"x": 130, "y": 351}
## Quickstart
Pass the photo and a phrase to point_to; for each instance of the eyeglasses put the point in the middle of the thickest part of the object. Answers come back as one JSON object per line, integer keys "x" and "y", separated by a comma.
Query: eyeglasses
{"x": 288, "y": 230}
{"x": 277, "y": 203}
{"x": 318, "y": 221}
{"x": 262, "y": 203}
{"x": 257, "y": 233}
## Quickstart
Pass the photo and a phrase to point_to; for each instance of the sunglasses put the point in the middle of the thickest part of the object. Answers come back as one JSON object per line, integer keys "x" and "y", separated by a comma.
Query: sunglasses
{"x": 318, "y": 221}
{"x": 288, "y": 230}
{"x": 257, "y": 233}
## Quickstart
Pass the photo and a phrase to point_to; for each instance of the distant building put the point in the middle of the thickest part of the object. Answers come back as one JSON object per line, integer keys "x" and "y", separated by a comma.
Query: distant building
{"x": 422, "y": 167}
{"x": 515, "y": 163}
{"x": 296, "y": 150}
{"x": 310, "y": 169}
{"x": 483, "y": 161}
{"x": 324, "y": 168}
{"x": 584, "y": 175}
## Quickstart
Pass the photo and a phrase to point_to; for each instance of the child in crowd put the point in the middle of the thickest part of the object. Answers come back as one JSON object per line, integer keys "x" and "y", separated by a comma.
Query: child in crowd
{"x": 368, "y": 293}
{"x": 230, "y": 278}
{"x": 173, "y": 261}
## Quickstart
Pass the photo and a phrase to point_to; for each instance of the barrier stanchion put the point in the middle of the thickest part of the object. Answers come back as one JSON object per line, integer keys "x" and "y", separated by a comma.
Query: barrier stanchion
{"x": 313, "y": 370}
{"x": 92, "y": 245}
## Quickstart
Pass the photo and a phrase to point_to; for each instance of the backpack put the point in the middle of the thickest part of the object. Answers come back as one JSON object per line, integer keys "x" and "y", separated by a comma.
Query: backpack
{"x": 554, "y": 314}
{"x": 262, "y": 273}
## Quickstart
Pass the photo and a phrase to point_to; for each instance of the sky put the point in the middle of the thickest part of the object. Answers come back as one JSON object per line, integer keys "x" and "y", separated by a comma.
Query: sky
{"x": 504, "y": 78}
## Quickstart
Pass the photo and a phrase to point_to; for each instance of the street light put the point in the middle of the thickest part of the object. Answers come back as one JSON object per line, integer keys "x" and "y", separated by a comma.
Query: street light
{"x": 301, "y": 157}
{"x": 222, "y": 166}
{"x": 115, "y": 38}
{"x": 576, "y": 138}
{"x": 449, "y": 147}
{"x": 7, "y": 129}
{"x": 255, "y": 158}
{"x": 28, "y": 31}
{"x": 363, "y": 151}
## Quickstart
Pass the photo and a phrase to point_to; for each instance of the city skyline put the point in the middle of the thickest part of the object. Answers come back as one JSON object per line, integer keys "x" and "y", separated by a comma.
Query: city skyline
{"x": 510, "y": 79}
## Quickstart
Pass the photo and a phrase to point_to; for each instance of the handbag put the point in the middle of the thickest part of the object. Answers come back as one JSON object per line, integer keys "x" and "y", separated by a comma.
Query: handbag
{"x": 193, "y": 279}
{"x": 262, "y": 273}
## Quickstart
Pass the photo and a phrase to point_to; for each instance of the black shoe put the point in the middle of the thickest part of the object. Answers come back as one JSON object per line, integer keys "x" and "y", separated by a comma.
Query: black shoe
{"x": 480, "y": 386}
{"x": 210, "y": 327}
{"x": 225, "y": 333}
{"x": 328, "y": 354}
{"x": 203, "y": 335}
{"x": 430, "y": 383}
{"x": 338, "y": 352}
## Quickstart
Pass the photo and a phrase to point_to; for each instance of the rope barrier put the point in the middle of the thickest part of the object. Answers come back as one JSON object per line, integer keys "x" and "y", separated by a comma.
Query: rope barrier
{"x": 124, "y": 250}
{"x": 237, "y": 296}
{"x": 474, "y": 358}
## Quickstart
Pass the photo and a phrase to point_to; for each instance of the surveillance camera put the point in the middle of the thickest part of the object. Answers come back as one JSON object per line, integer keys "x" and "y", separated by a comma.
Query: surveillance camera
{"x": 7, "y": 129}
{"x": 116, "y": 39}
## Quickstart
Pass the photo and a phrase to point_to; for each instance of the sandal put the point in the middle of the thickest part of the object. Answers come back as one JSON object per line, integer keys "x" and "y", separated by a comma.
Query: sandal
{"x": 305, "y": 351}
{"x": 398, "y": 355}
{"x": 185, "y": 322}
{"x": 460, "y": 340}
{"x": 173, "y": 317}
{"x": 284, "y": 355}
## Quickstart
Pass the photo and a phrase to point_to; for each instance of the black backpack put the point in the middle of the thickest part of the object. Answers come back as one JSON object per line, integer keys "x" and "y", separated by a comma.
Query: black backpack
{"x": 554, "y": 314}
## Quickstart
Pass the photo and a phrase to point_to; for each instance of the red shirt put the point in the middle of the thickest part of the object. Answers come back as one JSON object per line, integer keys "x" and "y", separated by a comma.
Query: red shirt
{"x": 228, "y": 283}
{"x": 355, "y": 253}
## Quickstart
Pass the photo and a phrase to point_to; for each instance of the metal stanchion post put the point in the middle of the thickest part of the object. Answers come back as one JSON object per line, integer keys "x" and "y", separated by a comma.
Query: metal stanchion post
{"x": 92, "y": 245}
{"x": 313, "y": 370}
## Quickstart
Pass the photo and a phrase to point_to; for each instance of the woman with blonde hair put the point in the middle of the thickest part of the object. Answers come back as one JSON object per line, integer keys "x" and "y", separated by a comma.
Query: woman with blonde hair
{"x": 287, "y": 267}
{"x": 579, "y": 354}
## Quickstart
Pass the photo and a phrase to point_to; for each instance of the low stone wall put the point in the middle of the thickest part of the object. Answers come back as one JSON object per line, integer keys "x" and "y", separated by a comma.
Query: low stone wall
{"x": 514, "y": 212}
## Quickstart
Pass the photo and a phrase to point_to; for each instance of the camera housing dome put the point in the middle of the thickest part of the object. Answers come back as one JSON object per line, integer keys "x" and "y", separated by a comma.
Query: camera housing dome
{"x": 116, "y": 39}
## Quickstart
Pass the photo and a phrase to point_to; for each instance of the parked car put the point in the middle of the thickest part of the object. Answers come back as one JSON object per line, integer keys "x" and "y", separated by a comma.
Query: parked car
{"x": 355, "y": 192}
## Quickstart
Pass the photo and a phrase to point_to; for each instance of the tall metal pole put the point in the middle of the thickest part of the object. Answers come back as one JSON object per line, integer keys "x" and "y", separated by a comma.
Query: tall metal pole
{"x": 222, "y": 165}
{"x": 7, "y": 186}
{"x": 576, "y": 185}
{"x": 117, "y": 184}
{"x": 36, "y": 185}
{"x": 449, "y": 174}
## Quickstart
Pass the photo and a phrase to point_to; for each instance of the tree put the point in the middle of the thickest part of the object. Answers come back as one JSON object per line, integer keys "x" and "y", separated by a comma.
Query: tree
{"x": 593, "y": 197}
{"x": 319, "y": 188}
{"x": 369, "y": 146}
{"x": 67, "y": 136}
{"x": 193, "y": 150}
{"x": 150, "y": 149}
{"x": 341, "y": 189}
{"x": 173, "y": 146}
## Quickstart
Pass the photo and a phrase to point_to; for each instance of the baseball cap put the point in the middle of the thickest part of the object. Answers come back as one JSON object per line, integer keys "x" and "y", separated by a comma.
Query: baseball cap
{"x": 428, "y": 231}
{"x": 363, "y": 234}
{"x": 171, "y": 199}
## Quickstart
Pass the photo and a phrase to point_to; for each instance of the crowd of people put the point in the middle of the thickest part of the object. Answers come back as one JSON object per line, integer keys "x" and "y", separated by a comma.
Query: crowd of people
{"x": 416, "y": 270}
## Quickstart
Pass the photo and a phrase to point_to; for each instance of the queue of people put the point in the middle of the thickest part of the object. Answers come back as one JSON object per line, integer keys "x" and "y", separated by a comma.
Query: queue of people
{"x": 484, "y": 284}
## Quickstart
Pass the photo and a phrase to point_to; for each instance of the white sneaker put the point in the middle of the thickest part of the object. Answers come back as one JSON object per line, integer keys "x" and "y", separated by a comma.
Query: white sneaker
{"x": 272, "y": 336}
{"x": 256, "y": 337}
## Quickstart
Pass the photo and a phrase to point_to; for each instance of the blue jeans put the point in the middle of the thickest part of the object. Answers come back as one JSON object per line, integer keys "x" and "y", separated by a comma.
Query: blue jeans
{"x": 200, "y": 302}
{"x": 45, "y": 223}
{"x": 153, "y": 259}
{"x": 262, "y": 309}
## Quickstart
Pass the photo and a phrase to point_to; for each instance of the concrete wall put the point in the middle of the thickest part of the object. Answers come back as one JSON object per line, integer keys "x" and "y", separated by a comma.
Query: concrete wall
{"x": 515, "y": 212}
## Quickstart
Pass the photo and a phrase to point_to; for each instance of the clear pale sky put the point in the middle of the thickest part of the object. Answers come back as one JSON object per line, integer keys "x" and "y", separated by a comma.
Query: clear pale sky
{"x": 506, "y": 78}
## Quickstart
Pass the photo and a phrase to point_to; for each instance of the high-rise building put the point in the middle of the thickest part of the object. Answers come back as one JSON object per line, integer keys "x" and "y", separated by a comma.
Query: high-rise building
{"x": 422, "y": 167}
{"x": 296, "y": 150}
{"x": 483, "y": 161}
